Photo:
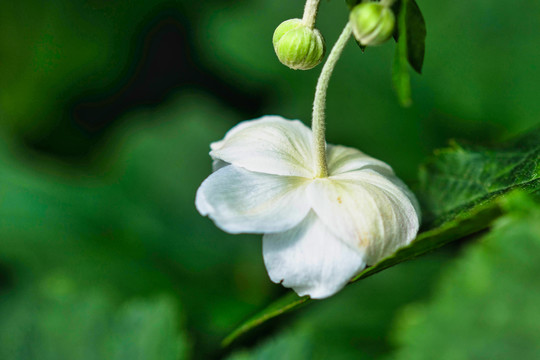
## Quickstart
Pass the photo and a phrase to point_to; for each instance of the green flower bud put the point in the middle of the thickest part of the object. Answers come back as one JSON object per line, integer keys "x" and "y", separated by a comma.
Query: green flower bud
{"x": 297, "y": 46}
{"x": 372, "y": 23}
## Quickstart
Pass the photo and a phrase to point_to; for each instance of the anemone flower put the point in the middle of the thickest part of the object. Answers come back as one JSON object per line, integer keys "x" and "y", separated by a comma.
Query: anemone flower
{"x": 318, "y": 232}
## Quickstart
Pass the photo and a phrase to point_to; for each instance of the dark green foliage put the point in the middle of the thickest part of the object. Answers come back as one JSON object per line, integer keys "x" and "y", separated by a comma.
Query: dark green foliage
{"x": 464, "y": 213}
{"x": 355, "y": 324}
{"x": 486, "y": 304}
{"x": 352, "y": 3}
{"x": 103, "y": 144}
{"x": 290, "y": 345}
{"x": 410, "y": 48}
{"x": 58, "y": 320}
{"x": 134, "y": 228}
{"x": 413, "y": 27}
{"x": 465, "y": 174}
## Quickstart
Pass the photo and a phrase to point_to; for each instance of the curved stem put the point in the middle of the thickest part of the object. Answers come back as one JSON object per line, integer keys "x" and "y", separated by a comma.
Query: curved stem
{"x": 319, "y": 103}
{"x": 310, "y": 13}
{"x": 387, "y": 3}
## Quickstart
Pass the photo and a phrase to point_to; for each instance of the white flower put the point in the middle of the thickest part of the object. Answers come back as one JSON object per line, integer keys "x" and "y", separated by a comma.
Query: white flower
{"x": 318, "y": 232}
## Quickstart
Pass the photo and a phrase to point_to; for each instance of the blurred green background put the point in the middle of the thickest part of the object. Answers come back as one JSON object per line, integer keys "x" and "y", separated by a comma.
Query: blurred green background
{"x": 107, "y": 109}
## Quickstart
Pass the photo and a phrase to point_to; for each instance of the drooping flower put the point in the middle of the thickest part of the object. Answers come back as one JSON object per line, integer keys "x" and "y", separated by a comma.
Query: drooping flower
{"x": 318, "y": 232}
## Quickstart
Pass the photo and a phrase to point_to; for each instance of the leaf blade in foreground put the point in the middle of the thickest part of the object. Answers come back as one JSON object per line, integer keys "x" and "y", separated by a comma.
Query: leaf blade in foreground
{"x": 510, "y": 166}
{"x": 487, "y": 300}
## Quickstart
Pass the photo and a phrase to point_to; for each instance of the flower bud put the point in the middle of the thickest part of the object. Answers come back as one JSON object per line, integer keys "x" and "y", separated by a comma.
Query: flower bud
{"x": 372, "y": 23}
{"x": 297, "y": 46}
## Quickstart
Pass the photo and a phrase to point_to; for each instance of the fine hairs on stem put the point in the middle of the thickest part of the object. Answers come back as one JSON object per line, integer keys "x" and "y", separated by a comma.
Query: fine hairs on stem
{"x": 310, "y": 13}
{"x": 319, "y": 103}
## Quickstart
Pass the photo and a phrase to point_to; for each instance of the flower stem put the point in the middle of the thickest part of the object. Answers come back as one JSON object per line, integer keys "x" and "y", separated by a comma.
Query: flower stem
{"x": 319, "y": 103}
{"x": 387, "y": 3}
{"x": 310, "y": 13}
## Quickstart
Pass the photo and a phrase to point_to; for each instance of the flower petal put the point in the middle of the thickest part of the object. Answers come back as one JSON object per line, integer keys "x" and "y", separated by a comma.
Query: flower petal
{"x": 367, "y": 210}
{"x": 270, "y": 145}
{"x": 343, "y": 159}
{"x": 218, "y": 164}
{"x": 242, "y": 201}
{"x": 310, "y": 259}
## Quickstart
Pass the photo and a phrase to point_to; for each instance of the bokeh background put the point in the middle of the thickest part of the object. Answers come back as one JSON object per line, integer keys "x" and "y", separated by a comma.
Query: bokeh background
{"x": 107, "y": 109}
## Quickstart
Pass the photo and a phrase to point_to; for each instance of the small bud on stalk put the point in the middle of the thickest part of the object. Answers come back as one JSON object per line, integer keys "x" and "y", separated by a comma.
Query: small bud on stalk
{"x": 372, "y": 23}
{"x": 297, "y": 45}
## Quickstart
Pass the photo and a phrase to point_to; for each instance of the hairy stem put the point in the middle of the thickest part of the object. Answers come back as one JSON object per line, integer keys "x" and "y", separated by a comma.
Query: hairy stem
{"x": 319, "y": 104}
{"x": 310, "y": 13}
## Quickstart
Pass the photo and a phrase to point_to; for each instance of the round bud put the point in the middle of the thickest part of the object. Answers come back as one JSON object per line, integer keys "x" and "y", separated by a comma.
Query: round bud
{"x": 372, "y": 23}
{"x": 297, "y": 46}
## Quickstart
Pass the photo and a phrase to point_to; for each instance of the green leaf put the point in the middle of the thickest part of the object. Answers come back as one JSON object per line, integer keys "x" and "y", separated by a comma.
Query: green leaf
{"x": 414, "y": 28}
{"x": 400, "y": 74}
{"x": 352, "y": 3}
{"x": 416, "y": 35}
{"x": 507, "y": 167}
{"x": 330, "y": 330}
{"x": 410, "y": 48}
{"x": 56, "y": 320}
{"x": 289, "y": 345}
{"x": 487, "y": 301}
{"x": 476, "y": 220}
{"x": 362, "y": 47}
{"x": 400, "y": 69}
{"x": 463, "y": 175}
{"x": 286, "y": 303}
